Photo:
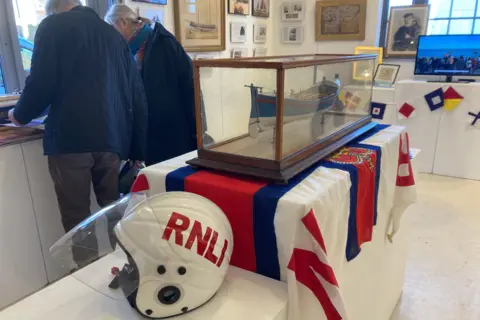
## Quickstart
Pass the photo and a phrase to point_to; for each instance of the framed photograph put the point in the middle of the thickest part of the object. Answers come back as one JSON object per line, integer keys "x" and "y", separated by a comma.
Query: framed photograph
{"x": 241, "y": 7}
{"x": 259, "y": 33}
{"x": 364, "y": 70}
{"x": 292, "y": 34}
{"x": 200, "y": 25}
{"x": 405, "y": 25}
{"x": 155, "y": 15}
{"x": 340, "y": 20}
{"x": 293, "y": 11}
{"x": 204, "y": 57}
{"x": 164, "y": 2}
{"x": 386, "y": 75}
{"x": 239, "y": 53}
{"x": 261, "y": 8}
{"x": 238, "y": 32}
{"x": 260, "y": 52}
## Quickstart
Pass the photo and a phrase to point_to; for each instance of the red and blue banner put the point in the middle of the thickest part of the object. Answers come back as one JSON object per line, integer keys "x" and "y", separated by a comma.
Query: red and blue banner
{"x": 250, "y": 204}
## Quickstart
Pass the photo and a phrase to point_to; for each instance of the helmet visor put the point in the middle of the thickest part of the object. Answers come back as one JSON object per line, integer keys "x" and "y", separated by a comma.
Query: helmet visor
{"x": 90, "y": 252}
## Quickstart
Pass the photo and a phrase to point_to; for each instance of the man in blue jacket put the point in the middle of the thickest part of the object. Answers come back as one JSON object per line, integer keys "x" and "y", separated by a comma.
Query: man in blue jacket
{"x": 167, "y": 73}
{"x": 83, "y": 69}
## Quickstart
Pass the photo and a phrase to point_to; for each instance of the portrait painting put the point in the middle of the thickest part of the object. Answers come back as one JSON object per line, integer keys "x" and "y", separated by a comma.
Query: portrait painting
{"x": 340, "y": 20}
{"x": 405, "y": 26}
{"x": 261, "y": 8}
{"x": 200, "y": 25}
{"x": 241, "y": 7}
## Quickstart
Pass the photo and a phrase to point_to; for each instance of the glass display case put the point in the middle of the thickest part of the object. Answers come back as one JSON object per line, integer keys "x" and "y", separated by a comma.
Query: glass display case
{"x": 273, "y": 117}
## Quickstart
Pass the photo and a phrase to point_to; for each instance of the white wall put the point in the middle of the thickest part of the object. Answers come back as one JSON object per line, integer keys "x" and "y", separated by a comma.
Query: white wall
{"x": 227, "y": 116}
{"x": 374, "y": 10}
{"x": 169, "y": 23}
{"x": 221, "y": 88}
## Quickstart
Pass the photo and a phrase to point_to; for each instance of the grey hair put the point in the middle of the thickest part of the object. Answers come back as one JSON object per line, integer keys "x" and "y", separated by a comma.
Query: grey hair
{"x": 53, "y": 6}
{"x": 122, "y": 11}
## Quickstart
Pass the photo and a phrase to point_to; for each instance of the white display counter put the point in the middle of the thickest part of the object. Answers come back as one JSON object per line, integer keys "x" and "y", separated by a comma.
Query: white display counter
{"x": 22, "y": 269}
{"x": 30, "y": 221}
{"x": 243, "y": 295}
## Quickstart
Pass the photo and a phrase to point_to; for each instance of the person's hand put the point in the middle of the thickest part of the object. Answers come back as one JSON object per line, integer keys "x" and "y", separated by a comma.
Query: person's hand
{"x": 12, "y": 119}
{"x": 139, "y": 164}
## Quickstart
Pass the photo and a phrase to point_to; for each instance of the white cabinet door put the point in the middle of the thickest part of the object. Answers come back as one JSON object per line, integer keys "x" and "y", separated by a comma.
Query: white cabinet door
{"x": 22, "y": 270}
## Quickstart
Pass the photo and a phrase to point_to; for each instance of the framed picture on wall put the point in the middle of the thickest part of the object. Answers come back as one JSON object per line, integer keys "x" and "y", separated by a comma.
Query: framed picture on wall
{"x": 293, "y": 11}
{"x": 200, "y": 25}
{"x": 292, "y": 34}
{"x": 154, "y": 14}
{"x": 259, "y": 33}
{"x": 239, "y": 53}
{"x": 260, "y": 52}
{"x": 340, "y": 20}
{"x": 164, "y": 2}
{"x": 261, "y": 8}
{"x": 405, "y": 25}
{"x": 238, "y": 32}
{"x": 364, "y": 70}
{"x": 386, "y": 75}
{"x": 241, "y": 7}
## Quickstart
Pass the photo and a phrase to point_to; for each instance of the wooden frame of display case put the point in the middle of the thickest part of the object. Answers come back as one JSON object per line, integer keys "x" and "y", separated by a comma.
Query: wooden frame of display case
{"x": 280, "y": 169}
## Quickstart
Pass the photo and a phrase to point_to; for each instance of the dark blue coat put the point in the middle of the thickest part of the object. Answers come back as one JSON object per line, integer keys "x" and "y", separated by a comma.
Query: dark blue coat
{"x": 83, "y": 69}
{"x": 167, "y": 75}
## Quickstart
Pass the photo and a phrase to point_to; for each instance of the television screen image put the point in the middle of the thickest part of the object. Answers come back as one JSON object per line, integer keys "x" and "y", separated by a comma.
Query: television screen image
{"x": 452, "y": 55}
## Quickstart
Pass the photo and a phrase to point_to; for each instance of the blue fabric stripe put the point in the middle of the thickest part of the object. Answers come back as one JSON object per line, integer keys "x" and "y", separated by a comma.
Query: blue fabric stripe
{"x": 353, "y": 248}
{"x": 266, "y": 201}
{"x": 378, "y": 165}
{"x": 175, "y": 180}
{"x": 264, "y": 209}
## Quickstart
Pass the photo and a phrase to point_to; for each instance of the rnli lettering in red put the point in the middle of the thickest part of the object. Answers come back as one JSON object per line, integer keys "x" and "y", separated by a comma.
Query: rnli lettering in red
{"x": 206, "y": 241}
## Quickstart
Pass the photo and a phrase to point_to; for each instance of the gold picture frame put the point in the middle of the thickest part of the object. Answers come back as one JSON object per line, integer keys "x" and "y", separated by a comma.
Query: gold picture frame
{"x": 358, "y": 70}
{"x": 340, "y": 20}
{"x": 200, "y": 26}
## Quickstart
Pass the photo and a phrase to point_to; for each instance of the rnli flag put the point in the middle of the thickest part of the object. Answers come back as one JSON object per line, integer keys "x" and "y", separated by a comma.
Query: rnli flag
{"x": 251, "y": 204}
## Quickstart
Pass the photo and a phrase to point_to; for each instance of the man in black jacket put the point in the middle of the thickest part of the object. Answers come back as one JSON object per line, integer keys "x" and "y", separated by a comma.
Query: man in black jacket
{"x": 83, "y": 69}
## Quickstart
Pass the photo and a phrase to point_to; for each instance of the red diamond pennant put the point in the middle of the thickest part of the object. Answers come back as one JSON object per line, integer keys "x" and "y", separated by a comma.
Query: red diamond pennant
{"x": 406, "y": 110}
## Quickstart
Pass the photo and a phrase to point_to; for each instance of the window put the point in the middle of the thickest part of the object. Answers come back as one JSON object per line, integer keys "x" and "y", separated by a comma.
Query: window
{"x": 454, "y": 17}
{"x": 2, "y": 84}
{"x": 446, "y": 16}
{"x": 28, "y": 15}
{"x": 19, "y": 20}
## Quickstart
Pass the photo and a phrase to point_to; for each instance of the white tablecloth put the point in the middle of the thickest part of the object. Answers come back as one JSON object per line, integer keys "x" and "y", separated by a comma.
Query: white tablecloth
{"x": 371, "y": 284}
{"x": 243, "y": 295}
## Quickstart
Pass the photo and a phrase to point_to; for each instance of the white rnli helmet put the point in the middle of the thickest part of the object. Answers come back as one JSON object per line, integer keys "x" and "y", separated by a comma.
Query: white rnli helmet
{"x": 178, "y": 247}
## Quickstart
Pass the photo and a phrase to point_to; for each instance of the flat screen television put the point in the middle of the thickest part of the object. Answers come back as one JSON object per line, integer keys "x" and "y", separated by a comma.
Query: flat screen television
{"x": 449, "y": 55}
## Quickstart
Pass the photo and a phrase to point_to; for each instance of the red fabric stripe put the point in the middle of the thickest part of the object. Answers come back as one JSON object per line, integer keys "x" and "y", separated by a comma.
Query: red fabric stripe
{"x": 310, "y": 222}
{"x": 366, "y": 198}
{"x": 404, "y": 158}
{"x": 234, "y": 195}
{"x": 302, "y": 264}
